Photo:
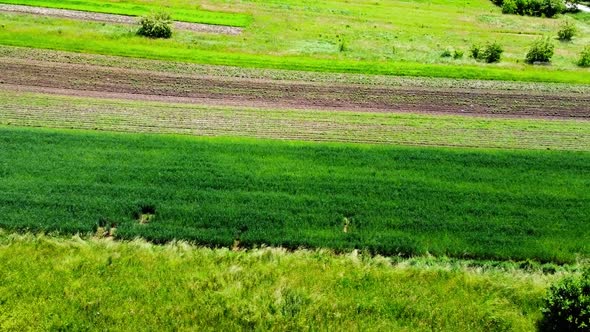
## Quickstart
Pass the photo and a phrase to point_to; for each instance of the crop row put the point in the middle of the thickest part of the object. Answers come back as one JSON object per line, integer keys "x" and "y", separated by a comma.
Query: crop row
{"x": 36, "y": 110}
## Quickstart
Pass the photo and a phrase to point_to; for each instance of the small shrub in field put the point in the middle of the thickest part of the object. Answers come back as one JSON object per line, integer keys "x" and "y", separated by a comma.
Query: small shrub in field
{"x": 457, "y": 54}
{"x": 566, "y": 31}
{"x": 446, "y": 54}
{"x": 585, "y": 57}
{"x": 158, "y": 25}
{"x": 567, "y": 305}
{"x": 541, "y": 51}
{"x": 492, "y": 53}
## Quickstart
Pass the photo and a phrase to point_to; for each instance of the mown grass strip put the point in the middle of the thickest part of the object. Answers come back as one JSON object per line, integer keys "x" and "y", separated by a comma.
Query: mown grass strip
{"x": 94, "y": 38}
{"x": 179, "y": 13}
{"x": 463, "y": 203}
{"x": 49, "y": 283}
{"x": 40, "y": 110}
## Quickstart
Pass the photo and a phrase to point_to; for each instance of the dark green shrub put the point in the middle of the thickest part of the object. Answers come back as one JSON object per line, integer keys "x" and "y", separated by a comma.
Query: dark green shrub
{"x": 446, "y": 54}
{"x": 509, "y": 7}
{"x": 474, "y": 51}
{"x": 491, "y": 53}
{"x": 585, "y": 57}
{"x": 567, "y": 31}
{"x": 458, "y": 54}
{"x": 567, "y": 305}
{"x": 548, "y": 8}
{"x": 157, "y": 25}
{"x": 541, "y": 51}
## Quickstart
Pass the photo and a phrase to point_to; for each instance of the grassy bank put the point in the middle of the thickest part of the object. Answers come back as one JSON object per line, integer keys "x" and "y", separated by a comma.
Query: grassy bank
{"x": 390, "y": 200}
{"x": 90, "y": 284}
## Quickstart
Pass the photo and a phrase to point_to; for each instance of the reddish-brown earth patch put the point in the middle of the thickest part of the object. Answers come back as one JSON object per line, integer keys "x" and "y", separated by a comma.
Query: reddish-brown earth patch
{"x": 88, "y": 80}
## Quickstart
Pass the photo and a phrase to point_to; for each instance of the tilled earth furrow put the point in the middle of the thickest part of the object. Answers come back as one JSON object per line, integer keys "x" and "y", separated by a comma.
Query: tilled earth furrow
{"x": 137, "y": 84}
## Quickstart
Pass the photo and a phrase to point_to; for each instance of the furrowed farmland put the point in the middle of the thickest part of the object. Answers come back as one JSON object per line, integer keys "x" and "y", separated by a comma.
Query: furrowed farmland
{"x": 294, "y": 165}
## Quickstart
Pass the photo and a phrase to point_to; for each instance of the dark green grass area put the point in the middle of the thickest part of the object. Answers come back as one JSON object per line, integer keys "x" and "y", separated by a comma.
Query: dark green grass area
{"x": 463, "y": 203}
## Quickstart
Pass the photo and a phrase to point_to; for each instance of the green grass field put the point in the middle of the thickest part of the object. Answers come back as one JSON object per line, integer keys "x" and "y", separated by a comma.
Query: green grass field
{"x": 90, "y": 284}
{"x": 462, "y": 203}
{"x": 132, "y": 199}
{"x": 392, "y": 38}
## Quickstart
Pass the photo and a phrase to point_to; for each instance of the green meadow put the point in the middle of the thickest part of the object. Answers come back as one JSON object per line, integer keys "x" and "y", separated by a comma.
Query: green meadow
{"x": 392, "y": 38}
{"x": 90, "y": 284}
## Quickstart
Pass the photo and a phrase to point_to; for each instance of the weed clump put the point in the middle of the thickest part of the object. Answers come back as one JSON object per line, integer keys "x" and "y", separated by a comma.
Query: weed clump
{"x": 540, "y": 52}
{"x": 567, "y": 305}
{"x": 585, "y": 57}
{"x": 156, "y": 25}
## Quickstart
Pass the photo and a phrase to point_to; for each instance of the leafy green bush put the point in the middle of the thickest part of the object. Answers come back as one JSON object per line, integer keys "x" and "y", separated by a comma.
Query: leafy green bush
{"x": 156, "y": 25}
{"x": 491, "y": 53}
{"x": 458, "y": 54}
{"x": 446, "y": 54}
{"x": 567, "y": 31}
{"x": 541, "y": 51}
{"x": 547, "y": 8}
{"x": 509, "y": 7}
{"x": 567, "y": 305}
{"x": 585, "y": 57}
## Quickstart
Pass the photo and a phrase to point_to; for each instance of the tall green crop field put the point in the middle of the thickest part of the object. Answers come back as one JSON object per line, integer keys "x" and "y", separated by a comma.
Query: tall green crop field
{"x": 389, "y": 200}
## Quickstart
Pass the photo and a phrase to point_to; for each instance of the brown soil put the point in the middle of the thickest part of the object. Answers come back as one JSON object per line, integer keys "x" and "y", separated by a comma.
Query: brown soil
{"x": 86, "y": 80}
{"x": 112, "y": 18}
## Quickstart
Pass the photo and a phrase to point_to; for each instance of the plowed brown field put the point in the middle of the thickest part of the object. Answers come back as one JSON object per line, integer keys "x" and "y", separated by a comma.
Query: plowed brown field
{"x": 92, "y": 80}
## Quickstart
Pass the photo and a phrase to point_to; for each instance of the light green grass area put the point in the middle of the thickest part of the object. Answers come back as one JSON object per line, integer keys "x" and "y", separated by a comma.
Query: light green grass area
{"x": 40, "y": 110}
{"x": 190, "y": 12}
{"x": 49, "y": 283}
{"x": 391, "y": 37}
{"x": 389, "y": 200}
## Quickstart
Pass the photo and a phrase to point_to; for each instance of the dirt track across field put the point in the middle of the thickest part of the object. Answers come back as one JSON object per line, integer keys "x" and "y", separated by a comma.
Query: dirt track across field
{"x": 89, "y": 80}
{"x": 112, "y": 18}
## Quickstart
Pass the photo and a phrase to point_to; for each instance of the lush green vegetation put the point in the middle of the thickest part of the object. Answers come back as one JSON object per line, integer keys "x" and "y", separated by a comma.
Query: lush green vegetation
{"x": 468, "y": 203}
{"x": 567, "y": 305}
{"x": 187, "y": 13}
{"x": 311, "y": 37}
{"x": 49, "y": 283}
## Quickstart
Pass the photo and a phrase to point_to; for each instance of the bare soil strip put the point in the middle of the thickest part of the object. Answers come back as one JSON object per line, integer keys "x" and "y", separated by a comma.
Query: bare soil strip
{"x": 113, "y": 18}
{"x": 184, "y": 68}
{"x": 41, "y": 110}
{"x": 81, "y": 80}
